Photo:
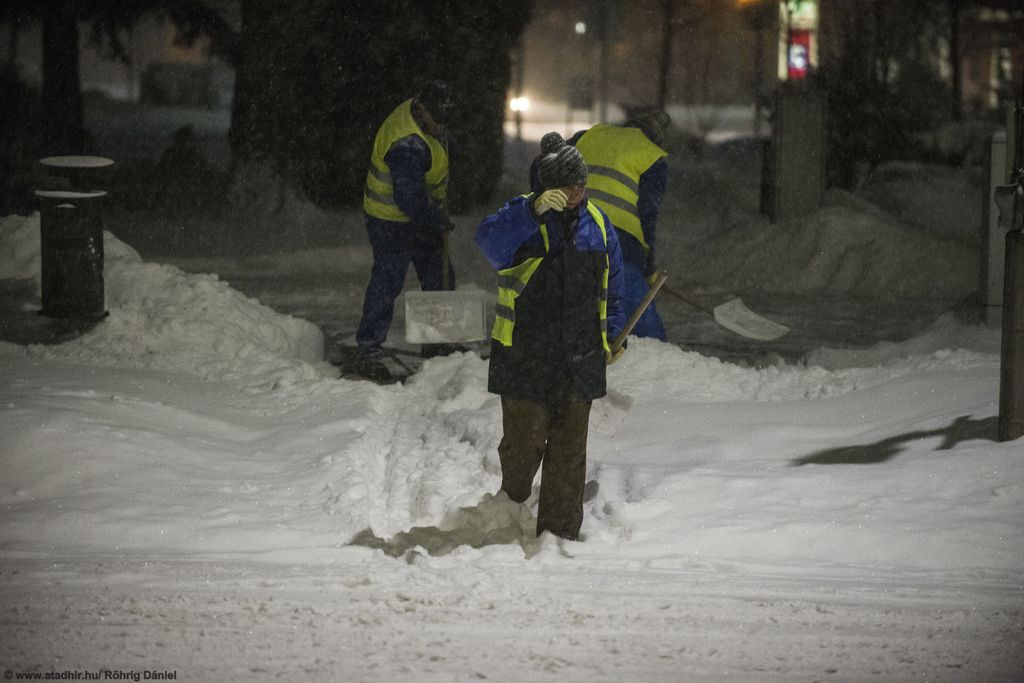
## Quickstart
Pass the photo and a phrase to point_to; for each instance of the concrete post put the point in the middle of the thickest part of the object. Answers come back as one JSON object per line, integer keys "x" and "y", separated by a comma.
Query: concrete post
{"x": 795, "y": 180}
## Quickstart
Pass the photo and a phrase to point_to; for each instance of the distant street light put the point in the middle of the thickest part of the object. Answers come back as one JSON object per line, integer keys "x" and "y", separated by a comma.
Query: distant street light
{"x": 519, "y": 104}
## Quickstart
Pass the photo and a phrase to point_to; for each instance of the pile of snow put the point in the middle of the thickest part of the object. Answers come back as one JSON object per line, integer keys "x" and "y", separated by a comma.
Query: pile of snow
{"x": 746, "y": 465}
{"x": 849, "y": 248}
{"x": 162, "y": 318}
{"x": 19, "y": 248}
{"x": 939, "y": 199}
{"x": 165, "y": 463}
{"x": 944, "y": 337}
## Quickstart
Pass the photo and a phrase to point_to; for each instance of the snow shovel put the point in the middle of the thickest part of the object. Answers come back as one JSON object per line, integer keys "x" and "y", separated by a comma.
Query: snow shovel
{"x": 611, "y": 410}
{"x": 733, "y": 315}
{"x": 446, "y": 316}
{"x": 652, "y": 291}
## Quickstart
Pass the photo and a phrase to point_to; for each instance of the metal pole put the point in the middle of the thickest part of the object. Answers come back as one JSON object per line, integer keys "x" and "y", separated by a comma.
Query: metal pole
{"x": 1011, "y": 372}
{"x": 1010, "y": 201}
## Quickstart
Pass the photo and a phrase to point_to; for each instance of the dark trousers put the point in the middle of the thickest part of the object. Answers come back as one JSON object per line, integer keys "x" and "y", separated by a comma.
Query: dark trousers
{"x": 555, "y": 436}
{"x": 395, "y": 246}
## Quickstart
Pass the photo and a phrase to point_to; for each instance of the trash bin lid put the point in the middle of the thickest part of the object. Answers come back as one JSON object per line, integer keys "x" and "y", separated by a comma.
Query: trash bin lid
{"x": 68, "y": 194}
{"x": 77, "y": 162}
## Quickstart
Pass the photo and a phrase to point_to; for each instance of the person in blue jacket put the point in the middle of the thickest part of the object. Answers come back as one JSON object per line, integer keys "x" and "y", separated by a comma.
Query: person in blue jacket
{"x": 628, "y": 178}
{"x": 560, "y": 306}
{"x": 404, "y": 205}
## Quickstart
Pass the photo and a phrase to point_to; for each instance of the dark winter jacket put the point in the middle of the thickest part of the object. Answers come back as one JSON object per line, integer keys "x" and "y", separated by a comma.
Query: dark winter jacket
{"x": 408, "y": 159}
{"x": 557, "y": 335}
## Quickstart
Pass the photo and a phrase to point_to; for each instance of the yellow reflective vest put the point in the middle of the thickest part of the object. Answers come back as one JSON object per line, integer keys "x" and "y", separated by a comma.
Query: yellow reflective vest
{"x": 512, "y": 281}
{"x": 616, "y": 157}
{"x": 379, "y": 192}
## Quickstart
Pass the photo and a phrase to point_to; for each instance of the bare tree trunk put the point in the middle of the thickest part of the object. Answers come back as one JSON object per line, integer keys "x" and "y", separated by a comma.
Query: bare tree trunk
{"x": 62, "y": 89}
{"x": 603, "y": 41}
{"x": 129, "y": 67}
{"x": 664, "y": 66}
{"x": 955, "y": 7}
{"x": 762, "y": 18}
{"x": 12, "y": 44}
{"x": 882, "y": 61}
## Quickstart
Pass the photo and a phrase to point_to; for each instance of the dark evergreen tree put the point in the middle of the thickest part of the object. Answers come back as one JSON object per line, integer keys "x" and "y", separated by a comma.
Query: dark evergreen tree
{"x": 883, "y": 83}
{"x": 51, "y": 121}
{"x": 62, "y": 130}
{"x": 883, "y": 87}
{"x": 316, "y": 78}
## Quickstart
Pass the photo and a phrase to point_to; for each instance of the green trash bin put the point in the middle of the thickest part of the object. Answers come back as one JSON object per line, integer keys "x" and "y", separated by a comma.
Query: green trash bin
{"x": 71, "y": 239}
{"x": 71, "y": 254}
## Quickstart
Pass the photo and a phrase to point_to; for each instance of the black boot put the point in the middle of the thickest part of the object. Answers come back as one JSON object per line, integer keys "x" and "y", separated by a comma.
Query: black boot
{"x": 370, "y": 364}
{"x": 434, "y": 350}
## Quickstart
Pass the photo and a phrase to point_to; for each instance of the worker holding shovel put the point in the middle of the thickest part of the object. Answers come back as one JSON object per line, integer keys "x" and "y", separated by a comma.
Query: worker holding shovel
{"x": 560, "y": 301}
{"x": 404, "y": 198}
{"x": 628, "y": 177}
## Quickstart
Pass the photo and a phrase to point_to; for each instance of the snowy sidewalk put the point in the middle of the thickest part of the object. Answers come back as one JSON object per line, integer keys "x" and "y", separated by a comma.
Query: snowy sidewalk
{"x": 183, "y": 484}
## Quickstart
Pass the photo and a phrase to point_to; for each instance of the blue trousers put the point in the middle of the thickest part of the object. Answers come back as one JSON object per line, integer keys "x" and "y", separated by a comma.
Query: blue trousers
{"x": 650, "y": 324}
{"x": 395, "y": 246}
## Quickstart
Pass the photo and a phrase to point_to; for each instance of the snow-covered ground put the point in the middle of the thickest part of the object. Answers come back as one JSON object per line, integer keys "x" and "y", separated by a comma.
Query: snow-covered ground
{"x": 188, "y": 487}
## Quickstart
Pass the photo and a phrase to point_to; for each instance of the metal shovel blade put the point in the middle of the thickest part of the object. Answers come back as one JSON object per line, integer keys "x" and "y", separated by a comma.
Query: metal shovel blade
{"x": 445, "y": 317}
{"x": 735, "y": 316}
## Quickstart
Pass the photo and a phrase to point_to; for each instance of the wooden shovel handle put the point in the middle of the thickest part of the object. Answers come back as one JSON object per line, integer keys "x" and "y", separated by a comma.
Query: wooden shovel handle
{"x": 644, "y": 303}
{"x": 689, "y": 300}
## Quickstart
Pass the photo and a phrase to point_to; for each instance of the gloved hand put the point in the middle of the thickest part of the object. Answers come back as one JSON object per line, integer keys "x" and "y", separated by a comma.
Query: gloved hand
{"x": 550, "y": 199}
{"x": 612, "y": 356}
{"x": 652, "y": 278}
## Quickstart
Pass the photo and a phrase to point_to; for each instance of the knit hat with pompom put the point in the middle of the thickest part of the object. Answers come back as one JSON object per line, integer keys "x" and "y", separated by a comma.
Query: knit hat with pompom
{"x": 560, "y": 165}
